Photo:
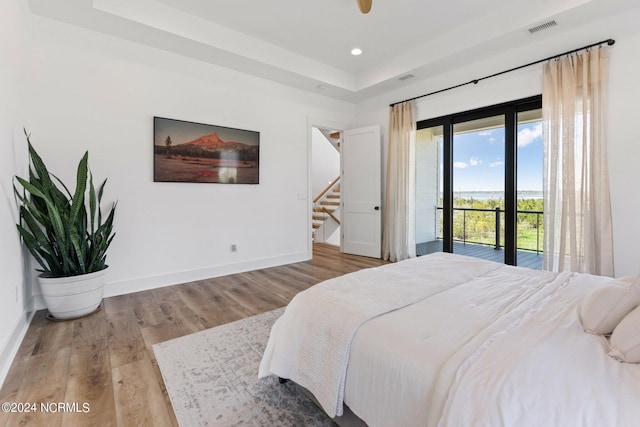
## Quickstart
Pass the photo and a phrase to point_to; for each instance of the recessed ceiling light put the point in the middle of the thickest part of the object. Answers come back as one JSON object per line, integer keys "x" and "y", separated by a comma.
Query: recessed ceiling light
{"x": 356, "y": 51}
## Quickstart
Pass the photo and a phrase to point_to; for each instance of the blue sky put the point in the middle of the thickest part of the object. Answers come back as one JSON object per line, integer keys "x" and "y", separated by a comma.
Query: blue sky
{"x": 478, "y": 159}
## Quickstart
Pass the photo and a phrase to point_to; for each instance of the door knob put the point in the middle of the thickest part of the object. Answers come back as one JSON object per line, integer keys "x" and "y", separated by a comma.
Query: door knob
{"x": 377, "y": 208}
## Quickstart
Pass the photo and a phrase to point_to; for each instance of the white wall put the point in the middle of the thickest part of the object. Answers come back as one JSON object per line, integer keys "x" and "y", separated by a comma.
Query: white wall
{"x": 624, "y": 153}
{"x": 624, "y": 135}
{"x": 98, "y": 93}
{"x": 14, "y": 290}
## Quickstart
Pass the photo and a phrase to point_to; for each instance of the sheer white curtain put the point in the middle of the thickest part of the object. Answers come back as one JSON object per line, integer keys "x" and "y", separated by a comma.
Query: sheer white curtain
{"x": 577, "y": 208}
{"x": 399, "y": 234}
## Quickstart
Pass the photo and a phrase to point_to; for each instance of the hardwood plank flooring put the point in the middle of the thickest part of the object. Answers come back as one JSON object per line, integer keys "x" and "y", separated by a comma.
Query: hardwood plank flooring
{"x": 106, "y": 360}
{"x": 139, "y": 398}
{"x": 89, "y": 380}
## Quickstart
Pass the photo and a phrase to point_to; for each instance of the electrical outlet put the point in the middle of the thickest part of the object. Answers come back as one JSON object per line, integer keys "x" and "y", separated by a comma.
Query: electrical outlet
{"x": 234, "y": 248}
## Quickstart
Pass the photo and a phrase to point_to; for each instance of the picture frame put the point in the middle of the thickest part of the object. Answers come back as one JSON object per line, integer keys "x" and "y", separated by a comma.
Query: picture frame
{"x": 193, "y": 152}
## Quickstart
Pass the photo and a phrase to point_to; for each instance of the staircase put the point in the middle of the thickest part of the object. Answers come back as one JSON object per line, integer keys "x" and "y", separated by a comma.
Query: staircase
{"x": 326, "y": 217}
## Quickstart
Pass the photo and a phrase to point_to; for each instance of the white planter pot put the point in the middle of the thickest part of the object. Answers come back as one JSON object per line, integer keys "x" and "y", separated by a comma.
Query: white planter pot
{"x": 74, "y": 296}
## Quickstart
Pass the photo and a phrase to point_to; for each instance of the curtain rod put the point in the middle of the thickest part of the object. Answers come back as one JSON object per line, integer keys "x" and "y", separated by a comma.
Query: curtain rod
{"x": 609, "y": 42}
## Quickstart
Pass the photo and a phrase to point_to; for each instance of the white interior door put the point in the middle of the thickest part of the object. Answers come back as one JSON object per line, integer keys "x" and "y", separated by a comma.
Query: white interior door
{"x": 360, "y": 190}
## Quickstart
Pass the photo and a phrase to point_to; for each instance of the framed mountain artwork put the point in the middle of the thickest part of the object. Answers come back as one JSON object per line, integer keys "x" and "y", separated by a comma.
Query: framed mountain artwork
{"x": 195, "y": 152}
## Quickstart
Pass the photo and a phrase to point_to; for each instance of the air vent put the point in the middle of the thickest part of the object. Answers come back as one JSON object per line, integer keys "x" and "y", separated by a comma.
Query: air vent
{"x": 406, "y": 77}
{"x": 541, "y": 27}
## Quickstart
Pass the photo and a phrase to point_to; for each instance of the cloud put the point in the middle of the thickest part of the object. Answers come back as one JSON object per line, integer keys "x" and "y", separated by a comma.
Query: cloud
{"x": 474, "y": 161}
{"x": 496, "y": 163}
{"x": 492, "y": 140}
{"x": 484, "y": 133}
{"x": 460, "y": 165}
{"x": 527, "y": 136}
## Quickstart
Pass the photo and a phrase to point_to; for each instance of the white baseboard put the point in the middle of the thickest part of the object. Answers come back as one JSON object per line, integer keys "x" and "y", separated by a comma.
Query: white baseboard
{"x": 152, "y": 282}
{"x": 13, "y": 344}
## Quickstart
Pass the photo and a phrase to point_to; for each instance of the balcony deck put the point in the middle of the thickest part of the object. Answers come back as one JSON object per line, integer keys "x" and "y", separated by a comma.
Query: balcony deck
{"x": 524, "y": 258}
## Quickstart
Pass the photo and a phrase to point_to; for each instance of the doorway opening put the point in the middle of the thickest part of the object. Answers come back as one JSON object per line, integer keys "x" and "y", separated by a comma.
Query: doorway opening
{"x": 325, "y": 185}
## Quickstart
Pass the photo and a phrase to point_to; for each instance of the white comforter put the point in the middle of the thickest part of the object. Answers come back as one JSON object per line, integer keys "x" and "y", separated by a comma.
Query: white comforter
{"x": 310, "y": 343}
{"x": 480, "y": 343}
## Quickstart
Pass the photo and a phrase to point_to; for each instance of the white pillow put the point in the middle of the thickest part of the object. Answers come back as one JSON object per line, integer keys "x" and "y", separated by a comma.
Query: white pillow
{"x": 625, "y": 340}
{"x": 604, "y": 307}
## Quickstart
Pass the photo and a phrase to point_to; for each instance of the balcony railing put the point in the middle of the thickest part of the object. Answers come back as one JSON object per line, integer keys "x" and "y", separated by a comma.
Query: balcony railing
{"x": 474, "y": 228}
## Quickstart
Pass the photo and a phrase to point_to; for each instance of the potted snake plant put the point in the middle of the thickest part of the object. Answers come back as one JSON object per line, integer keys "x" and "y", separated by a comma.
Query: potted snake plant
{"x": 67, "y": 235}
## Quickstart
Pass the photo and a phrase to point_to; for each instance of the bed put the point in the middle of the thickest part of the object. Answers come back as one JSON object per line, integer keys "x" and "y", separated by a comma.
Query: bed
{"x": 449, "y": 340}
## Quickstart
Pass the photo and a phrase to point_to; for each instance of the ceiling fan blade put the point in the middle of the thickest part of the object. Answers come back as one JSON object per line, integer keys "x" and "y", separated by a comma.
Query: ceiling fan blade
{"x": 364, "y": 5}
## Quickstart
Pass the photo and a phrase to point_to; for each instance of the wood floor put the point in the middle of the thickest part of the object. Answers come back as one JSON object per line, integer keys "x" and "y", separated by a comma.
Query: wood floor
{"x": 106, "y": 360}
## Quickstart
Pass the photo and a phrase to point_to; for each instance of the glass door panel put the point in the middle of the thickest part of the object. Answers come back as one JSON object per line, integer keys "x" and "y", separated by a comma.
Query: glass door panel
{"x": 479, "y": 188}
{"x": 429, "y": 190}
{"x": 529, "y": 222}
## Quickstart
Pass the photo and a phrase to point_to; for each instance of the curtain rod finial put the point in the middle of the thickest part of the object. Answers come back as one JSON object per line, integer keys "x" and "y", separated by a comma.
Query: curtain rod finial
{"x": 611, "y": 42}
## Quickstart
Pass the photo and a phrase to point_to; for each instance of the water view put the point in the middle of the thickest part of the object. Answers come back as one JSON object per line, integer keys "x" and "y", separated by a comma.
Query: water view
{"x": 494, "y": 195}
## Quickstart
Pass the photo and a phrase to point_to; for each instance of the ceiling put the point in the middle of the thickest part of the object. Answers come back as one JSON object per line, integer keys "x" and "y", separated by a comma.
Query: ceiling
{"x": 307, "y": 44}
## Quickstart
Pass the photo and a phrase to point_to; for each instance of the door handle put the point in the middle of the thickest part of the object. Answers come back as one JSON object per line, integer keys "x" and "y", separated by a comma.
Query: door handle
{"x": 377, "y": 208}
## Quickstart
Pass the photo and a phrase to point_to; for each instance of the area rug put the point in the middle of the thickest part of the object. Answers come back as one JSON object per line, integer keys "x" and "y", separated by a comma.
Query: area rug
{"x": 212, "y": 379}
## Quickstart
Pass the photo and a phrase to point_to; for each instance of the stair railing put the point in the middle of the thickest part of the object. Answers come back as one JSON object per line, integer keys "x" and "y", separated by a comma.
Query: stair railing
{"x": 326, "y": 190}
{"x": 328, "y": 212}
{"x": 323, "y": 196}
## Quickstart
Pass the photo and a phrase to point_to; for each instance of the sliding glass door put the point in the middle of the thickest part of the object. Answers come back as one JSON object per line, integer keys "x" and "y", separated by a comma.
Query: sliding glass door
{"x": 479, "y": 186}
{"x": 530, "y": 225}
{"x": 469, "y": 184}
